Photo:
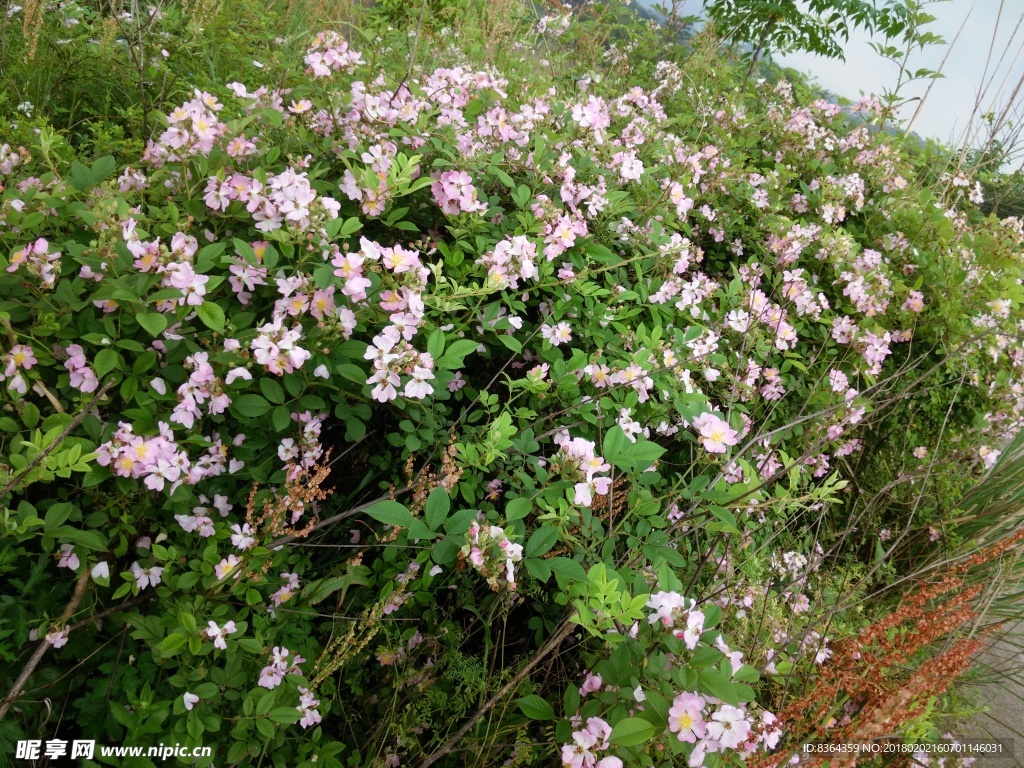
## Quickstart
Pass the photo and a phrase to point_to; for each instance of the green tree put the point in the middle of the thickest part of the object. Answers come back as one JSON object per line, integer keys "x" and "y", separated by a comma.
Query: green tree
{"x": 814, "y": 26}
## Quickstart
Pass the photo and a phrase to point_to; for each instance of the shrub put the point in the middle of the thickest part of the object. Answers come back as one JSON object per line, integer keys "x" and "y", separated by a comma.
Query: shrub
{"x": 354, "y": 398}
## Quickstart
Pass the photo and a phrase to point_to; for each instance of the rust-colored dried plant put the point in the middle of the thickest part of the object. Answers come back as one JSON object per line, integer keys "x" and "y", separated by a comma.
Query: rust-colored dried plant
{"x": 869, "y": 672}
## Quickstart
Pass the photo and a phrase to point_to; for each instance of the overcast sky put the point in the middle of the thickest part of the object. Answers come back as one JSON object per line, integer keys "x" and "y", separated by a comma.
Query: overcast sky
{"x": 947, "y": 112}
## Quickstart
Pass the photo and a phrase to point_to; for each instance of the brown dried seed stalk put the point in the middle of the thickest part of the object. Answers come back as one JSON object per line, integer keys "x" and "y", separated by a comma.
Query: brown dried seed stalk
{"x": 300, "y": 493}
{"x": 862, "y": 667}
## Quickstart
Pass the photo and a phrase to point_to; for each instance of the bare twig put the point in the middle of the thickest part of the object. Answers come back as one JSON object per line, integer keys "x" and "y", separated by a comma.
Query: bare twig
{"x": 553, "y": 642}
{"x": 37, "y": 656}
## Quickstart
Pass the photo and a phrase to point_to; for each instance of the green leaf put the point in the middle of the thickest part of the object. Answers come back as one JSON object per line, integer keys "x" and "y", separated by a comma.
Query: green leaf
{"x": 102, "y": 168}
{"x": 726, "y": 519}
{"x": 435, "y": 343}
{"x": 541, "y": 541}
{"x": 571, "y": 700}
{"x": 645, "y": 452}
{"x": 285, "y": 715}
{"x": 351, "y": 226}
{"x": 705, "y": 656}
{"x": 153, "y": 322}
{"x": 251, "y": 405}
{"x": 30, "y": 415}
{"x": 272, "y": 390}
{"x": 322, "y": 589}
{"x": 536, "y": 708}
{"x": 517, "y": 509}
{"x": 567, "y": 568}
{"x": 56, "y": 515}
{"x": 746, "y": 674}
{"x": 437, "y": 509}
{"x": 717, "y": 684}
{"x": 444, "y": 552}
{"x": 538, "y": 568}
{"x": 616, "y": 448}
{"x": 631, "y": 732}
{"x": 263, "y": 725}
{"x": 93, "y": 540}
{"x": 511, "y": 342}
{"x": 351, "y": 372}
{"x": 392, "y": 513}
{"x": 188, "y": 622}
{"x": 460, "y": 521}
{"x": 418, "y": 531}
{"x": 172, "y": 644}
{"x": 251, "y": 644}
{"x": 212, "y": 315}
{"x": 280, "y": 419}
{"x": 504, "y": 178}
{"x": 456, "y": 351}
{"x": 106, "y": 361}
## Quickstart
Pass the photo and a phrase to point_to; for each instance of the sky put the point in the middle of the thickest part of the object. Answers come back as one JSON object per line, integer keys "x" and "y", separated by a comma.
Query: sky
{"x": 948, "y": 112}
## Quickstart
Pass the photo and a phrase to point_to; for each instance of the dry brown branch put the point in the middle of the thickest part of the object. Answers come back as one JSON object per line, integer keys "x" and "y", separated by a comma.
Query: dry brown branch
{"x": 44, "y": 645}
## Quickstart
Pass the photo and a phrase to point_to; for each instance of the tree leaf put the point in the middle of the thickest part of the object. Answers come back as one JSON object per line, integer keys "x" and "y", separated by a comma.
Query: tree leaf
{"x": 106, "y": 361}
{"x": 518, "y": 509}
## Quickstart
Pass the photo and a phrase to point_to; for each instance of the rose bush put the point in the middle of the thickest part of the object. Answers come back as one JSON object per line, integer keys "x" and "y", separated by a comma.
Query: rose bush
{"x": 353, "y": 397}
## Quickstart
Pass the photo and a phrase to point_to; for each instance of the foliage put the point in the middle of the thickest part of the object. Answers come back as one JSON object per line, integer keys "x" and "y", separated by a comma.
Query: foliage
{"x": 504, "y": 391}
{"x": 819, "y": 26}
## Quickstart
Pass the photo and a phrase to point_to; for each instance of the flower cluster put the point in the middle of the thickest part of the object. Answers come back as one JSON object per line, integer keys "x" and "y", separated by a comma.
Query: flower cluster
{"x": 491, "y": 553}
{"x": 39, "y": 263}
{"x": 671, "y": 611}
{"x": 579, "y": 455}
{"x": 726, "y": 728}
{"x": 273, "y": 674}
{"x": 587, "y": 743}
{"x": 455, "y": 193}
{"x": 329, "y": 53}
{"x": 277, "y": 347}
